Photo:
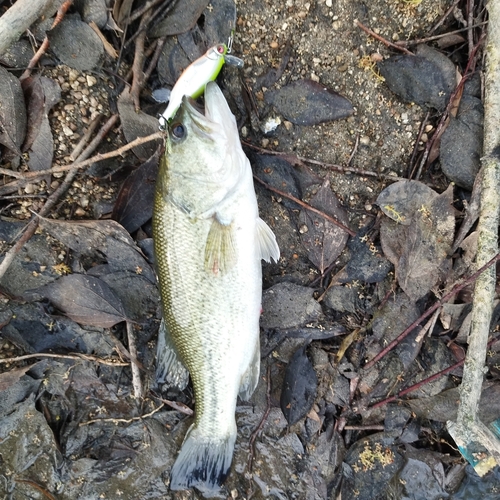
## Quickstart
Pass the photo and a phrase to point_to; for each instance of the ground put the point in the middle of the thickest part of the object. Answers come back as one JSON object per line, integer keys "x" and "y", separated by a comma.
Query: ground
{"x": 71, "y": 425}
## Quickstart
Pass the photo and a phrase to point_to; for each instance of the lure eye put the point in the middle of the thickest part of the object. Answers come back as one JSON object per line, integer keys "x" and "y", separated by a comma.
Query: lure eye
{"x": 178, "y": 130}
{"x": 220, "y": 49}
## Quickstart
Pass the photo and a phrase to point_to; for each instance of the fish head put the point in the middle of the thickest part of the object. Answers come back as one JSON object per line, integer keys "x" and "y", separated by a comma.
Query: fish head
{"x": 203, "y": 157}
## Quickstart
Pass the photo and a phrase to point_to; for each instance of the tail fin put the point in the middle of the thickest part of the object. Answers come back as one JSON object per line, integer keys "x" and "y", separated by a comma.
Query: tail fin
{"x": 203, "y": 462}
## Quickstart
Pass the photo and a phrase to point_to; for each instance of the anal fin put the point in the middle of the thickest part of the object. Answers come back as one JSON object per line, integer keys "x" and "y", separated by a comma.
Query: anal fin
{"x": 267, "y": 242}
{"x": 220, "y": 250}
{"x": 169, "y": 368}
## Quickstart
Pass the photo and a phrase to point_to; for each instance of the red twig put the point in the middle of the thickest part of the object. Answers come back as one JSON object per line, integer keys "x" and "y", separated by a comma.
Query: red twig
{"x": 306, "y": 206}
{"x": 427, "y": 380}
{"x": 45, "y": 44}
{"x": 429, "y": 311}
{"x": 255, "y": 433}
{"x": 382, "y": 39}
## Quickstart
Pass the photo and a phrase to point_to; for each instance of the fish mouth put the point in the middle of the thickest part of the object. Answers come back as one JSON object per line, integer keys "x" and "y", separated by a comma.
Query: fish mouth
{"x": 202, "y": 125}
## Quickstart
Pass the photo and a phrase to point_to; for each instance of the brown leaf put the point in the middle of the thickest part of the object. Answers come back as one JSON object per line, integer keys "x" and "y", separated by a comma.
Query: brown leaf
{"x": 8, "y": 379}
{"x": 400, "y": 200}
{"x": 418, "y": 240}
{"x": 85, "y": 299}
{"x": 12, "y": 112}
{"x": 134, "y": 204}
{"x": 41, "y": 95}
{"x": 323, "y": 240}
{"x": 98, "y": 240}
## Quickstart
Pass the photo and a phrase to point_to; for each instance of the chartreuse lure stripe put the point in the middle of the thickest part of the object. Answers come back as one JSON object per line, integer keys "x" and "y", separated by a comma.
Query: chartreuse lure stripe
{"x": 193, "y": 80}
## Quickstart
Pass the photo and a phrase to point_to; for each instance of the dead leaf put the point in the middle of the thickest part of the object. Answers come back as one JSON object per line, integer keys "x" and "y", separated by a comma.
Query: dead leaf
{"x": 419, "y": 237}
{"x": 12, "y": 112}
{"x": 8, "y": 379}
{"x": 134, "y": 204}
{"x": 98, "y": 241}
{"x": 323, "y": 240}
{"x": 137, "y": 124}
{"x": 299, "y": 387}
{"x": 402, "y": 199}
{"x": 425, "y": 257}
{"x": 84, "y": 299}
{"x": 41, "y": 95}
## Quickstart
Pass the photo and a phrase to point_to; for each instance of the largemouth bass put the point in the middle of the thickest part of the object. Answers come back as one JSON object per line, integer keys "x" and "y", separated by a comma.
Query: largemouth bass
{"x": 209, "y": 241}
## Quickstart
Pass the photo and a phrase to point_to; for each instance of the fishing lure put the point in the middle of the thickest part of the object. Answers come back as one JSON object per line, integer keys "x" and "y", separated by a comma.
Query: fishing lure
{"x": 193, "y": 80}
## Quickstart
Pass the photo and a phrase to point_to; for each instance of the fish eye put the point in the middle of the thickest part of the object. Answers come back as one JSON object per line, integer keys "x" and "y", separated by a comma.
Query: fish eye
{"x": 178, "y": 130}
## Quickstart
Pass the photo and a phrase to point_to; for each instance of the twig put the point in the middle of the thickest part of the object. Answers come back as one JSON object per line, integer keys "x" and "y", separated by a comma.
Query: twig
{"x": 470, "y": 23}
{"x": 136, "y": 374}
{"x": 52, "y": 199}
{"x": 354, "y": 150}
{"x": 11, "y": 173}
{"x": 99, "y": 157}
{"x": 88, "y": 134}
{"x": 76, "y": 356}
{"x": 160, "y": 42}
{"x": 45, "y": 44}
{"x": 37, "y": 487}
{"x": 263, "y": 420}
{"x": 140, "y": 11}
{"x": 176, "y": 405}
{"x": 137, "y": 66}
{"x": 426, "y": 381}
{"x": 445, "y": 16}
{"x": 382, "y": 39}
{"x": 305, "y": 205}
{"x": 429, "y": 311}
{"x": 121, "y": 420}
{"x": 331, "y": 166}
{"x": 468, "y": 429}
{"x": 415, "y": 147}
{"x": 418, "y": 41}
{"x": 18, "y": 19}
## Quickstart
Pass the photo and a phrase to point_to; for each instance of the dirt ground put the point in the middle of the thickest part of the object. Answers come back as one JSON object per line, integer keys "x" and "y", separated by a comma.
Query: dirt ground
{"x": 71, "y": 427}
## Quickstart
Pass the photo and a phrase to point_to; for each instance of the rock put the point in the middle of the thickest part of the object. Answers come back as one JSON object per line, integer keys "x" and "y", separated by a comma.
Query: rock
{"x": 287, "y": 305}
{"x": 76, "y": 44}
{"x": 462, "y": 143}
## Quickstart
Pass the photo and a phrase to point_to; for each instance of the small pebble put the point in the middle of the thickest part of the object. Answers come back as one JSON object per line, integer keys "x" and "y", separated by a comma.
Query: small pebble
{"x": 67, "y": 131}
{"x": 91, "y": 80}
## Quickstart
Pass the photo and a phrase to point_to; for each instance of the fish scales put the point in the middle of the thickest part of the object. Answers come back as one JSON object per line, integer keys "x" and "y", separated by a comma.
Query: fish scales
{"x": 209, "y": 241}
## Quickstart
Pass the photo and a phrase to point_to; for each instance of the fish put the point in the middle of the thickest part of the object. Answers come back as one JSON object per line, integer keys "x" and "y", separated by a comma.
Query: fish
{"x": 209, "y": 242}
{"x": 193, "y": 80}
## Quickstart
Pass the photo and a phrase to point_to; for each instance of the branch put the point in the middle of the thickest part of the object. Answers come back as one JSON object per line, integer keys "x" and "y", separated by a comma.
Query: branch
{"x": 18, "y": 19}
{"x": 469, "y": 433}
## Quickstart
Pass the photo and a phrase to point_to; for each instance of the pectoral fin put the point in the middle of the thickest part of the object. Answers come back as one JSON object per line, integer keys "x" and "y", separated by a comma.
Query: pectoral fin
{"x": 267, "y": 242}
{"x": 169, "y": 368}
{"x": 220, "y": 250}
